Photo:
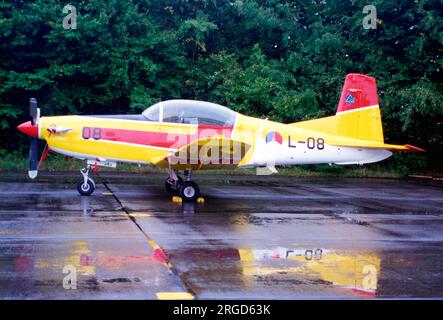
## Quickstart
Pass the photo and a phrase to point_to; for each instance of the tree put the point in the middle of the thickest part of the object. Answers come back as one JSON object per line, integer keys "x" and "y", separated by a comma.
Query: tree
{"x": 281, "y": 59}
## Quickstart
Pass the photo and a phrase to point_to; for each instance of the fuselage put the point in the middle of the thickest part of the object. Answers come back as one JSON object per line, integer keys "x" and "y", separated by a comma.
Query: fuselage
{"x": 133, "y": 139}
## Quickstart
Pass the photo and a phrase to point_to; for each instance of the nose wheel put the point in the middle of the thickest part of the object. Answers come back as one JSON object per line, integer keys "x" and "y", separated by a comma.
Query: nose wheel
{"x": 86, "y": 186}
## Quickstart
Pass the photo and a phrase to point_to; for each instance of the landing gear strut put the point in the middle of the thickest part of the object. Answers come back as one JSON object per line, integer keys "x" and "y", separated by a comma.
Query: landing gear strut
{"x": 187, "y": 190}
{"x": 173, "y": 182}
{"x": 86, "y": 186}
{"x": 172, "y": 186}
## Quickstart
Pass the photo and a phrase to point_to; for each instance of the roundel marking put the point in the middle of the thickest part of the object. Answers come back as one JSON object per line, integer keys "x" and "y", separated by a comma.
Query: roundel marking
{"x": 274, "y": 136}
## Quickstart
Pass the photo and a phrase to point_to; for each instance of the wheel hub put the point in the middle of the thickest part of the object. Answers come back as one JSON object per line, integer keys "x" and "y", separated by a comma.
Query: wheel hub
{"x": 189, "y": 192}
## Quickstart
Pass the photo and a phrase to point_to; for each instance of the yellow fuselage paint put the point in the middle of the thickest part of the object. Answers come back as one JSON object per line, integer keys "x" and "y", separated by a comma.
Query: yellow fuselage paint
{"x": 340, "y": 130}
{"x": 73, "y": 144}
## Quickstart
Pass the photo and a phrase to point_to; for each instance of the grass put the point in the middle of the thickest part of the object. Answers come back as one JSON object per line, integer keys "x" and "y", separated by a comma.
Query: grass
{"x": 56, "y": 163}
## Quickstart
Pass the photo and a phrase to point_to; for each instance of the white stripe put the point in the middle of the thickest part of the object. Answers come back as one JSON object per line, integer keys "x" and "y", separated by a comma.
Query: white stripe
{"x": 358, "y": 109}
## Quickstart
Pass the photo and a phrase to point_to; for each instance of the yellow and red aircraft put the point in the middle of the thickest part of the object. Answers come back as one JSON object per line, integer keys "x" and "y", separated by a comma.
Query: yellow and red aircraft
{"x": 194, "y": 135}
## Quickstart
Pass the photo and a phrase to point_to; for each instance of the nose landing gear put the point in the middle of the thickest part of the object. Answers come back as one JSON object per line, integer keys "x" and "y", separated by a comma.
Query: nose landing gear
{"x": 86, "y": 186}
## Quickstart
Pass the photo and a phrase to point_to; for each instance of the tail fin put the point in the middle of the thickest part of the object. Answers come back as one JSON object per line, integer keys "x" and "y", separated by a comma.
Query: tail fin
{"x": 359, "y": 91}
{"x": 358, "y": 113}
{"x": 357, "y": 122}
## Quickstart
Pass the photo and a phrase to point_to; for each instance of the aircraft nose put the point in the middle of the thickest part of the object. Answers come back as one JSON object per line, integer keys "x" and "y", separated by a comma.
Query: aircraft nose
{"x": 29, "y": 129}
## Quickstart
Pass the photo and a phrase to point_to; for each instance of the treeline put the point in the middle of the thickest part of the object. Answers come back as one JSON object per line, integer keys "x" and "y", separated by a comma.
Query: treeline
{"x": 285, "y": 60}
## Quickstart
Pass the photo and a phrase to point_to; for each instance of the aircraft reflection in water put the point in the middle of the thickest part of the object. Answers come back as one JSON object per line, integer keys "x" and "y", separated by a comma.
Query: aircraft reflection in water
{"x": 84, "y": 265}
{"x": 357, "y": 272}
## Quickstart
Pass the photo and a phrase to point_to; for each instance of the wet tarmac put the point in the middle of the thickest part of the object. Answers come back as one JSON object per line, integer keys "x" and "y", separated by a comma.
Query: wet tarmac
{"x": 252, "y": 238}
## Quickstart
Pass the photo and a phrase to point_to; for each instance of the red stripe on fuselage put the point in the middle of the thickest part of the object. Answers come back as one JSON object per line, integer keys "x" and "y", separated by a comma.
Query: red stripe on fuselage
{"x": 162, "y": 139}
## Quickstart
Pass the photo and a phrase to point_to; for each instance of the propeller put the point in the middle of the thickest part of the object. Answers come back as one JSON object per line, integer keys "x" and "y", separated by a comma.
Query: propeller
{"x": 34, "y": 112}
{"x": 31, "y": 128}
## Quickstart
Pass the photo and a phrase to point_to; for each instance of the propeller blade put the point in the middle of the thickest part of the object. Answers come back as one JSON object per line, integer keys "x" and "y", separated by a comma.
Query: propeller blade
{"x": 33, "y": 161}
{"x": 33, "y": 111}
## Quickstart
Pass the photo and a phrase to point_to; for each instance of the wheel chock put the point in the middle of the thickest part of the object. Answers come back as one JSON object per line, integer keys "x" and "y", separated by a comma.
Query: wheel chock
{"x": 177, "y": 199}
{"x": 200, "y": 200}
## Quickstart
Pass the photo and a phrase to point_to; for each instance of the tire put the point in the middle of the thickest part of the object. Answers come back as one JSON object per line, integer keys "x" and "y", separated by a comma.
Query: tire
{"x": 86, "y": 190}
{"x": 171, "y": 189}
{"x": 189, "y": 191}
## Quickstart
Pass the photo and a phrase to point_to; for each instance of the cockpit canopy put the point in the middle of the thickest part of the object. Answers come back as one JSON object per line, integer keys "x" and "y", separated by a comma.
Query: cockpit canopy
{"x": 190, "y": 112}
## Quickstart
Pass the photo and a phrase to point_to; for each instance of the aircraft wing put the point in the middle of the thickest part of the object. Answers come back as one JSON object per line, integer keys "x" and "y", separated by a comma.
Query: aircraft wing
{"x": 209, "y": 152}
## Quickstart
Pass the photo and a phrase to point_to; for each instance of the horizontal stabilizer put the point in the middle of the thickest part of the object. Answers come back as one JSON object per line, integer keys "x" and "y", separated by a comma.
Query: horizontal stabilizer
{"x": 377, "y": 145}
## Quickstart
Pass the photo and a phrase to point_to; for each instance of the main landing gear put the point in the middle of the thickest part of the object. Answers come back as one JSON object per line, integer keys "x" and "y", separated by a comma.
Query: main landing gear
{"x": 86, "y": 186}
{"x": 186, "y": 189}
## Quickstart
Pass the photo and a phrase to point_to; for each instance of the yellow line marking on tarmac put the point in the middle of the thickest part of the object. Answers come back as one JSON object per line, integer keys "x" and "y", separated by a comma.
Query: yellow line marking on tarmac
{"x": 107, "y": 194}
{"x": 153, "y": 244}
{"x": 174, "y": 296}
{"x": 136, "y": 215}
{"x": 140, "y": 215}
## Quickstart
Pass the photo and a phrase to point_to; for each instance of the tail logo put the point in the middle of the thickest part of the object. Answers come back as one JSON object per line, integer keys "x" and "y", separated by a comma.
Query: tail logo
{"x": 350, "y": 99}
{"x": 274, "y": 136}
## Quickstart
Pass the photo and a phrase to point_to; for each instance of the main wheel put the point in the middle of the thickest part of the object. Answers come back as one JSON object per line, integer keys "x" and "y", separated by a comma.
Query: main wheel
{"x": 189, "y": 191}
{"x": 88, "y": 189}
{"x": 170, "y": 188}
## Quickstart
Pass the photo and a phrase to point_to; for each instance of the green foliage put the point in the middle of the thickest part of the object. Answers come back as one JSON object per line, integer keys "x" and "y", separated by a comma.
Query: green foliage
{"x": 328, "y": 169}
{"x": 406, "y": 164}
{"x": 7, "y": 112}
{"x": 280, "y": 59}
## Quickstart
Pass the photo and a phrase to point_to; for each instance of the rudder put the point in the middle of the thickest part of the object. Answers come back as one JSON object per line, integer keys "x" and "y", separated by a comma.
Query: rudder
{"x": 358, "y": 114}
{"x": 358, "y": 111}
